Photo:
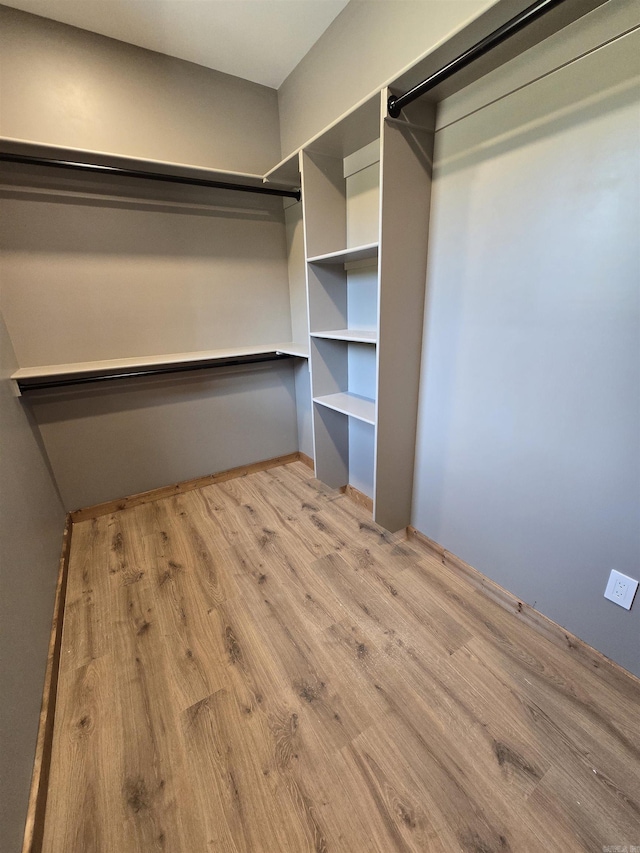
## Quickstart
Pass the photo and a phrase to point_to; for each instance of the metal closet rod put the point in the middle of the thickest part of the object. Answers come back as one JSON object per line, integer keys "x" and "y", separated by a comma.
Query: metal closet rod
{"x": 396, "y": 104}
{"x": 42, "y": 383}
{"x": 149, "y": 176}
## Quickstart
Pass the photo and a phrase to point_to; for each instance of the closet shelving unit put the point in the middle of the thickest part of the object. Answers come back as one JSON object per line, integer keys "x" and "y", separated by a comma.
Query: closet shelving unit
{"x": 367, "y": 222}
{"x": 106, "y": 181}
{"x": 365, "y": 266}
{"x": 357, "y": 254}
{"x": 357, "y": 270}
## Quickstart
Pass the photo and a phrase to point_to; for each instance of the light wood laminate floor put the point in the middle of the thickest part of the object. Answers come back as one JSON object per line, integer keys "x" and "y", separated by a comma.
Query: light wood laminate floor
{"x": 255, "y": 667}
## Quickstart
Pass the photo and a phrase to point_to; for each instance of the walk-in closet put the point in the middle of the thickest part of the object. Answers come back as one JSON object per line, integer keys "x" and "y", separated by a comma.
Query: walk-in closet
{"x": 320, "y": 404}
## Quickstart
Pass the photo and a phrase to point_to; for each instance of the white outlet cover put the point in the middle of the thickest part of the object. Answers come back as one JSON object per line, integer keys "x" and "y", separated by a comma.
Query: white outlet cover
{"x": 621, "y": 589}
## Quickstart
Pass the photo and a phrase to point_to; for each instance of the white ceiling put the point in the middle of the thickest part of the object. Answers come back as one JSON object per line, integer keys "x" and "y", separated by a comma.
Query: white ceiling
{"x": 260, "y": 40}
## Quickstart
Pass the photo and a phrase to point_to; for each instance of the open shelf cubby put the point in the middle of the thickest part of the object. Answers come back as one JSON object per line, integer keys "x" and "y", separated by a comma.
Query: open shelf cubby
{"x": 344, "y": 377}
{"x": 345, "y": 448}
{"x": 343, "y": 300}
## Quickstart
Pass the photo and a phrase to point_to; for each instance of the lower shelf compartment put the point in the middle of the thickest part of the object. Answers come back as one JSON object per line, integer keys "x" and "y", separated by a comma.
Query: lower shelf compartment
{"x": 345, "y": 446}
{"x": 353, "y": 405}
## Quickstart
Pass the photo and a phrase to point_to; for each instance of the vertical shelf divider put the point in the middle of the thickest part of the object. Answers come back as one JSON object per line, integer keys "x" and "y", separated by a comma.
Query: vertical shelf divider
{"x": 407, "y": 157}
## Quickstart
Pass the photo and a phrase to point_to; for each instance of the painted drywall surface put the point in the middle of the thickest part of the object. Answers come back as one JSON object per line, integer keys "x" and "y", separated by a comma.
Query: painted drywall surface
{"x": 128, "y": 436}
{"x": 31, "y": 527}
{"x": 367, "y": 45}
{"x": 361, "y": 456}
{"x": 299, "y": 321}
{"x": 106, "y": 268}
{"x": 602, "y": 24}
{"x": 66, "y": 86}
{"x": 91, "y": 280}
{"x": 528, "y": 451}
{"x": 296, "y": 270}
{"x": 303, "y": 407}
{"x": 88, "y": 279}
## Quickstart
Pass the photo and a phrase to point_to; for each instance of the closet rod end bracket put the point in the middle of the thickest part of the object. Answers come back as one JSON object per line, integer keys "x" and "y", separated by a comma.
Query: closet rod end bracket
{"x": 392, "y": 107}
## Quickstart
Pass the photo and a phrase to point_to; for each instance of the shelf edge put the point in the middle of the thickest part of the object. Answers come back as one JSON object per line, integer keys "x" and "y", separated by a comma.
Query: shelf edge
{"x": 327, "y": 402}
{"x": 368, "y": 250}
{"x": 357, "y": 336}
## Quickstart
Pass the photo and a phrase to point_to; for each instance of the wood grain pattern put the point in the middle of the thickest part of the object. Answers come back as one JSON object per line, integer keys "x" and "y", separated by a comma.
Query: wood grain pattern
{"x": 179, "y": 488}
{"x": 255, "y": 666}
{"x": 542, "y": 624}
{"x": 34, "y": 826}
{"x": 359, "y": 497}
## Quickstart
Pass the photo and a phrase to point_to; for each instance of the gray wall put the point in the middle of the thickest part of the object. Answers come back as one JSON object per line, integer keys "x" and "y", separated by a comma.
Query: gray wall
{"x": 122, "y": 438}
{"x": 368, "y": 44}
{"x": 31, "y": 527}
{"x": 106, "y": 269}
{"x": 66, "y": 86}
{"x": 528, "y": 453}
{"x": 86, "y": 279}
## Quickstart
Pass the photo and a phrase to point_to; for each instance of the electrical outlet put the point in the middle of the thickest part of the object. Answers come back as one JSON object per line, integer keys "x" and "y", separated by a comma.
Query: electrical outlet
{"x": 621, "y": 589}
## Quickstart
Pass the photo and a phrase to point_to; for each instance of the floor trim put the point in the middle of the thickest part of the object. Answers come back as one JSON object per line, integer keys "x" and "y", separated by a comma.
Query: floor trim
{"x": 34, "y": 826}
{"x": 186, "y": 486}
{"x": 358, "y": 497}
{"x": 554, "y": 632}
{"x": 308, "y": 461}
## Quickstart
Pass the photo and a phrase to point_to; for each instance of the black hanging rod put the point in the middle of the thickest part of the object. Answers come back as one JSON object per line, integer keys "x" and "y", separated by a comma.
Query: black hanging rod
{"x": 396, "y": 104}
{"x": 149, "y": 176}
{"x": 39, "y": 383}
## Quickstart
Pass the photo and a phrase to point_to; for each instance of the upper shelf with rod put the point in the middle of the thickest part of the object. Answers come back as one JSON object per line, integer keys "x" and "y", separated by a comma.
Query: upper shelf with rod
{"x": 505, "y": 30}
{"x": 96, "y": 163}
{"x": 484, "y": 44}
{"x": 514, "y": 25}
{"x": 81, "y": 373}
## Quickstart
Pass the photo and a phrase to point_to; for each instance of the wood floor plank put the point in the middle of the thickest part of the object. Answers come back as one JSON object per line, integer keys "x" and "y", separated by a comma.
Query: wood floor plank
{"x": 279, "y": 524}
{"x": 257, "y": 667}
{"x": 245, "y": 802}
{"x": 411, "y": 689}
{"x": 82, "y": 756}
{"x": 585, "y": 655}
{"x": 87, "y": 617}
{"x": 597, "y": 819}
{"x": 571, "y": 732}
{"x": 309, "y": 676}
{"x": 189, "y": 588}
{"x": 292, "y": 585}
{"x": 374, "y": 601}
{"x": 301, "y": 485}
{"x": 535, "y": 656}
{"x": 157, "y": 796}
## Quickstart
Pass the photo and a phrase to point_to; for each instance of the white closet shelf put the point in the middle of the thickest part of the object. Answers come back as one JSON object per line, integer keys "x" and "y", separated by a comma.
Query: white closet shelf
{"x": 357, "y": 253}
{"x": 286, "y": 173}
{"x": 353, "y": 405}
{"x": 11, "y": 145}
{"x": 300, "y": 350}
{"x": 362, "y": 336}
{"x": 80, "y": 368}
